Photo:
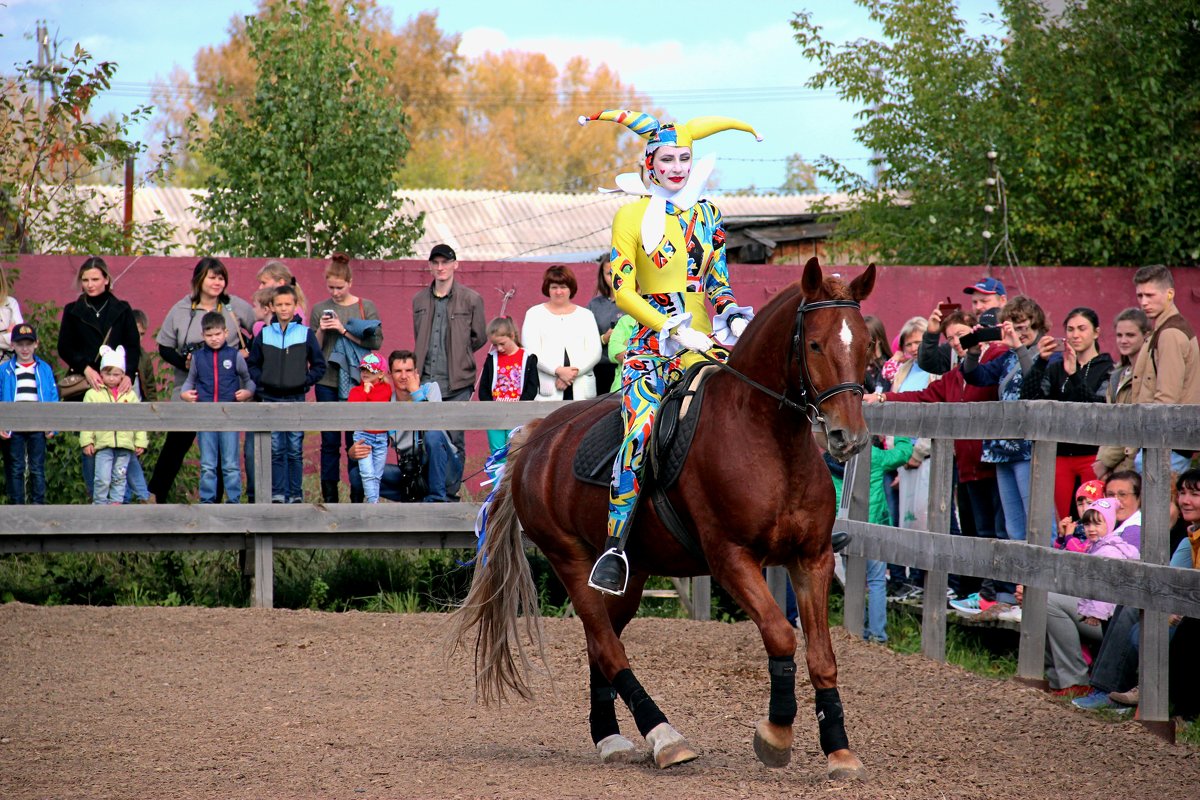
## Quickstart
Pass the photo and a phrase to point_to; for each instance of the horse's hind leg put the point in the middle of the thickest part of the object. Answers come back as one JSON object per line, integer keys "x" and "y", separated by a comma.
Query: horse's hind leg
{"x": 811, "y": 583}
{"x": 606, "y": 732}
{"x": 607, "y": 657}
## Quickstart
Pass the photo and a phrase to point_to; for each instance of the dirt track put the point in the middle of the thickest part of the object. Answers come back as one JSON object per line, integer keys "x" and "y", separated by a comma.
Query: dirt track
{"x": 197, "y": 703}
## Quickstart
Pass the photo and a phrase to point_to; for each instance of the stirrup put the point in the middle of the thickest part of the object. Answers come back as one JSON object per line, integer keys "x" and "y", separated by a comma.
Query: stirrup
{"x": 610, "y": 574}
{"x": 840, "y": 539}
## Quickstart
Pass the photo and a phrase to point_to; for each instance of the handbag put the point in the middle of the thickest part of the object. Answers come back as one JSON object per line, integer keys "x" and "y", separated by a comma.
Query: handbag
{"x": 72, "y": 384}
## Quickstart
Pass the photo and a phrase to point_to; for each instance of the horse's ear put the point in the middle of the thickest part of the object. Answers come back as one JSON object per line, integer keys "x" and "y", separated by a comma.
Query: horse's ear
{"x": 812, "y": 280}
{"x": 861, "y": 286}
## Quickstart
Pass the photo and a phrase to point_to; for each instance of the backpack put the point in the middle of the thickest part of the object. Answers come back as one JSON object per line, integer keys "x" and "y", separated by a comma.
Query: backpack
{"x": 413, "y": 464}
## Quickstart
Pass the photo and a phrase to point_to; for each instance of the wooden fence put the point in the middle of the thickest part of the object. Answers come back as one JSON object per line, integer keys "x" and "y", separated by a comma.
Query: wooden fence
{"x": 1147, "y": 584}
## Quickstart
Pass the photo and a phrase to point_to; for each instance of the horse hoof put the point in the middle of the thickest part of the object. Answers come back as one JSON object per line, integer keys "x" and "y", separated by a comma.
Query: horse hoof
{"x": 845, "y": 766}
{"x": 772, "y": 744}
{"x": 670, "y": 748}
{"x": 616, "y": 749}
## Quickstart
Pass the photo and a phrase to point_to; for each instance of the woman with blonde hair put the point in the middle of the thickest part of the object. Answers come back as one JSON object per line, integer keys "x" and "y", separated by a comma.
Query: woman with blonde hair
{"x": 275, "y": 273}
{"x": 10, "y": 316}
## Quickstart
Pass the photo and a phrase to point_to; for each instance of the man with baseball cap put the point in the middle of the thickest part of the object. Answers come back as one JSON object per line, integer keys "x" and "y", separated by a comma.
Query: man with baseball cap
{"x": 449, "y": 326}
{"x": 986, "y": 293}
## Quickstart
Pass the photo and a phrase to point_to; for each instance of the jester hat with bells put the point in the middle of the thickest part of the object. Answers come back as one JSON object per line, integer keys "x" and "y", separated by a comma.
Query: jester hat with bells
{"x": 656, "y": 135}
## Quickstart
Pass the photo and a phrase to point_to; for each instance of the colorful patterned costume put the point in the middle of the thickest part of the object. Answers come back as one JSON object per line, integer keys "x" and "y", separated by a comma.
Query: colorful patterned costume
{"x": 668, "y": 257}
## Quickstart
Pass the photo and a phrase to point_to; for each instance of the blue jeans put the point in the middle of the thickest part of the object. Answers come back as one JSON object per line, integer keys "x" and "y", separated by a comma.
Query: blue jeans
{"x": 27, "y": 455}
{"x": 371, "y": 468}
{"x": 287, "y": 459}
{"x": 219, "y": 455}
{"x": 445, "y": 467}
{"x": 875, "y": 616}
{"x": 1178, "y": 463}
{"x": 111, "y": 466}
{"x": 248, "y": 459}
{"x": 1013, "y": 480}
{"x": 331, "y": 441}
{"x": 135, "y": 482}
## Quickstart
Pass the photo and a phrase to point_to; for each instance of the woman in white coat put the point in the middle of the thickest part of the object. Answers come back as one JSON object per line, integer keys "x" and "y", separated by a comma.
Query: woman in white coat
{"x": 564, "y": 338}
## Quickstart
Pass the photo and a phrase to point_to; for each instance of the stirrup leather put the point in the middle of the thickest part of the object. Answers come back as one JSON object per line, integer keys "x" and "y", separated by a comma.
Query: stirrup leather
{"x": 612, "y": 552}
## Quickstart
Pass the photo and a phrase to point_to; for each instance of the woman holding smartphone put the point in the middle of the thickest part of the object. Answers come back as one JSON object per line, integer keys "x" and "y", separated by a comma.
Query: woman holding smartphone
{"x": 340, "y": 326}
{"x": 1073, "y": 370}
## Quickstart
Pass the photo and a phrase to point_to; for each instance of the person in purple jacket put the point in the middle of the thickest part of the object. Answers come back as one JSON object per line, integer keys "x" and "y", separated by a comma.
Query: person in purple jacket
{"x": 218, "y": 373}
{"x": 1073, "y": 621}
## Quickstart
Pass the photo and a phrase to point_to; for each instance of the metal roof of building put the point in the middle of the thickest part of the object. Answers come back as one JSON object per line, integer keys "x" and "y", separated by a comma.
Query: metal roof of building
{"x": 489, "y": 225}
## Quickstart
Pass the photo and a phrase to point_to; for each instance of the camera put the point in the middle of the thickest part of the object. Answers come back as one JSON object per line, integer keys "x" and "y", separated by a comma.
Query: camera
{"x": 969, "y": 340}
{"x": 188, "y": 349}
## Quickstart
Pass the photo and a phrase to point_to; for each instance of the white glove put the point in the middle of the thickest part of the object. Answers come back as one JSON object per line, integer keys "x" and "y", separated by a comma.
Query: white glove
{"x": 691, "y": 339}
{"x": 737, "y": 326}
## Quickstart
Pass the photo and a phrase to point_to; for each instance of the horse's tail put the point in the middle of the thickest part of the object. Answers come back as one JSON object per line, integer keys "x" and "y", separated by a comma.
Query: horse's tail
{"x": 501, "y": 589}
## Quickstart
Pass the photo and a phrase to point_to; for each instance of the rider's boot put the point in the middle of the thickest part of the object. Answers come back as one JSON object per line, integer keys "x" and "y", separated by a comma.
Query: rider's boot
{"x": 839, "y": 540}
{"x": 611, "y": 571}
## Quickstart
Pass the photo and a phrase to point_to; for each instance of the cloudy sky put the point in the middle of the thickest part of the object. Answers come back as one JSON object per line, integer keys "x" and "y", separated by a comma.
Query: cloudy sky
{"x": 700, "y": 57}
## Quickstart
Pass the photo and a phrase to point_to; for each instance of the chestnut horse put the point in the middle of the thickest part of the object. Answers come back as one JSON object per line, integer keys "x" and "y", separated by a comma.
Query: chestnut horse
{"x": 758, "y": 493}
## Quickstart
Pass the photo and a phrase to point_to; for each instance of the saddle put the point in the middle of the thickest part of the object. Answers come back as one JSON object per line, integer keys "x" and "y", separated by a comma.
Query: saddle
{"x": 670, "y": 441}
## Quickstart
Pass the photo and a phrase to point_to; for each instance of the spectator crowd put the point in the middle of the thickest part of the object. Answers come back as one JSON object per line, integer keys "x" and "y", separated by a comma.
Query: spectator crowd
{"x": 276, "y": 348}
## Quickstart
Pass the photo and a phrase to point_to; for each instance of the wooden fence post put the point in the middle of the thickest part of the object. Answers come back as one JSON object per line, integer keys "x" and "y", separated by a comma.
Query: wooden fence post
{"x": 263, "y": 544}
{"x": 1031, "y": 667}
{"x": 933, "y": 605}
{"x": 856, "y": 502}
{"x": 1153, "y": 654}
{"x": 702, "y": 597}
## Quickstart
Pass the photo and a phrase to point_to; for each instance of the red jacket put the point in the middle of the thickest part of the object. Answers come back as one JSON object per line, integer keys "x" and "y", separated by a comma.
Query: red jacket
{"x": 381, "y": 392}
{"x": 952, "y": 388}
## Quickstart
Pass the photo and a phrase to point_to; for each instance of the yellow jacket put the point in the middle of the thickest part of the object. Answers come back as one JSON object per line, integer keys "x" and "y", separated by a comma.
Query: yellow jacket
{"x": 664, "y": 271}
{"x": 102, "y": 440}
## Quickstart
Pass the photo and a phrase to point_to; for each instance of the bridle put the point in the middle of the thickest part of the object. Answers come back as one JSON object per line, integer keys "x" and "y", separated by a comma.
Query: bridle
{"x": 807, "y": 404}
{"x": 812, "y": 405}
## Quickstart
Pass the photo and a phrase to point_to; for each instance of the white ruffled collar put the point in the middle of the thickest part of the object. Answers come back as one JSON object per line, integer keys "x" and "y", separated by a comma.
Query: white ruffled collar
{"x": 686, "y": 196}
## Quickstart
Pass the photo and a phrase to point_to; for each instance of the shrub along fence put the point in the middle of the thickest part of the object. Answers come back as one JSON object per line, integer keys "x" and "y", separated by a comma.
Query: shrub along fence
{"x": 262, "y": 528}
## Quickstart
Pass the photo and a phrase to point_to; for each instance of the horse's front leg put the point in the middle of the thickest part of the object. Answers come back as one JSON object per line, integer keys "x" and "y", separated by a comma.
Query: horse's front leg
{"x": 811, "y": 584}
{"x": 742, "y": 577}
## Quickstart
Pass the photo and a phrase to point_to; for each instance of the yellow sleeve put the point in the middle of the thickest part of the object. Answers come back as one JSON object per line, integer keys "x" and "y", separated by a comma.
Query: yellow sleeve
{"x": 626, "y": 249}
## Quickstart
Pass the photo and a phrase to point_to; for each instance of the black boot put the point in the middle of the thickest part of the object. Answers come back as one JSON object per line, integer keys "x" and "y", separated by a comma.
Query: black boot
{"x": 839, "y": 540}
{"x": 329, "y": 491}
{"x": 611, "y": 572}
{"x": 357, "y": 495}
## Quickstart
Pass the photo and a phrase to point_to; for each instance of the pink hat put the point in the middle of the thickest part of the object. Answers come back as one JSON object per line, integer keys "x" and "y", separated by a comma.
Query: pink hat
{"x": 1107, "y": 508}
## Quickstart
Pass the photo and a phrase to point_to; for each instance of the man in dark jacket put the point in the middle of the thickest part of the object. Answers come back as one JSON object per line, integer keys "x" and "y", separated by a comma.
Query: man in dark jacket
{"x": 448, "y": 326}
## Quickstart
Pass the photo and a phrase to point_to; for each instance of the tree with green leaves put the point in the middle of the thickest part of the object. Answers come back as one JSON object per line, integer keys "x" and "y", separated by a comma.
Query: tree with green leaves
{"x": 52, "y": 155}
{"x": 309, "y": 168}
{"x": 1070, "y": 138}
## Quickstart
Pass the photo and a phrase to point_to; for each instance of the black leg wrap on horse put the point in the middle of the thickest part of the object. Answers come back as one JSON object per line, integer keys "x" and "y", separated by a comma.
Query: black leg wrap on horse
{"x": 782, "y": 710}
{"x": 830, "y": 721}
{"x": 603, "y": 716}
{"x": 646, "y": 713}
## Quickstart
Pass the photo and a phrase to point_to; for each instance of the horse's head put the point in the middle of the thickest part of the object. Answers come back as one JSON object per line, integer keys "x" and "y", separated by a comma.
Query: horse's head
{"x": 830, "y": 348}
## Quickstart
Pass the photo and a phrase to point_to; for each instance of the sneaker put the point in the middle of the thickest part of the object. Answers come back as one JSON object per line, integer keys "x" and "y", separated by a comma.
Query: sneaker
{"x": 992, "y": 611}
{"x": 1013, "y": 614}
{"x": 1095, "y": 700}
{"x": 1130, "y": 698}
{"x": 968, "y": 605}
{"x": 1072, "y": 691}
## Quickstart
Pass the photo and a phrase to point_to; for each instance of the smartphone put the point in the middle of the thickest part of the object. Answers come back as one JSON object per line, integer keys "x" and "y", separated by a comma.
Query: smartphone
{"x": 328, "y": 313}
{"x": 947, "y": 308}
{"x": 1060, "y": 345}
{"x": 982, "y": 335}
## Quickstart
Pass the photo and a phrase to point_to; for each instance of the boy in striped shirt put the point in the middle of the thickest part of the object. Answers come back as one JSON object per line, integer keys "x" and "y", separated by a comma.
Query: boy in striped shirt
{"x": 25, "y": 378}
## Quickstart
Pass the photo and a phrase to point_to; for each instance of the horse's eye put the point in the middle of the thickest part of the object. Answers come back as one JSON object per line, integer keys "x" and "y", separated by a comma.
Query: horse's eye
{"x": 816, "y": 348}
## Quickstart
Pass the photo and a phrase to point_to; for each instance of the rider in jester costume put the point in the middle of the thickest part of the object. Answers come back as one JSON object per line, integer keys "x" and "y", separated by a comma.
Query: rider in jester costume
{"x": 668, "y": 256}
